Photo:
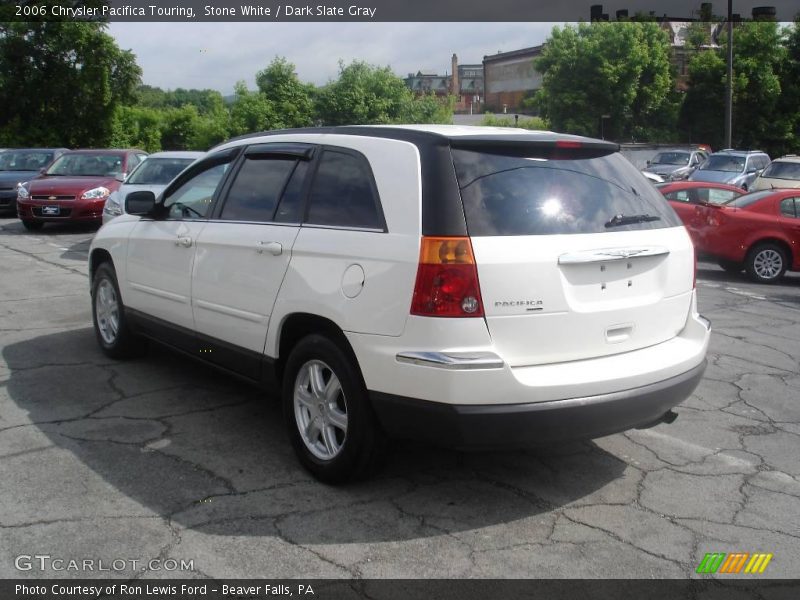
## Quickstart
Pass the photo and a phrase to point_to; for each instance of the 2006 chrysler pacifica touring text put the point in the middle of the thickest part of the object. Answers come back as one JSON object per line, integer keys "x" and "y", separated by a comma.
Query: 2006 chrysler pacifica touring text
{"x": 474, "y": 287}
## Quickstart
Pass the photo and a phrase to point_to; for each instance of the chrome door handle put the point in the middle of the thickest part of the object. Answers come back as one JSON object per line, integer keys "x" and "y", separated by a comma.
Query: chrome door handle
{"x": 184, "y": 241}
{"x": 273, "y": 248}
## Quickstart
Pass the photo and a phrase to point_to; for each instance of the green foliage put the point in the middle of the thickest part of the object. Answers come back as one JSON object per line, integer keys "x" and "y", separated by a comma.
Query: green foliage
{"x": 136, "y": 127}
{"x": 251, "y": 111}
{"x": 764, "y": 116}
{"x": 618, "y": 69}
{"x": 366, "y": 94}
{"x": 533, "y": 123}
{"x": 61, "y": 83}
{"x": 291, "y": 101}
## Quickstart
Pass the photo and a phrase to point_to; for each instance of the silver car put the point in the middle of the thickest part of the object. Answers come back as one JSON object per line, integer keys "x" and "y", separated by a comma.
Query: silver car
{"x": 153, "y": 174}
{"x": 734, "y": 167}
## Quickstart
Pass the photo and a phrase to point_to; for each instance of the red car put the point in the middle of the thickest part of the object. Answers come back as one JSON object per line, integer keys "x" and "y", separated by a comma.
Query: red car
{"x": 689, "y": 198}
{"x": 759, "y": 232}
{"x": 75, "y": 187}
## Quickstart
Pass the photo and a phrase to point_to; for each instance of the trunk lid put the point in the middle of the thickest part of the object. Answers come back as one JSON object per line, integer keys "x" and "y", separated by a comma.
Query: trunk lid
{"x": 578, "y": 256}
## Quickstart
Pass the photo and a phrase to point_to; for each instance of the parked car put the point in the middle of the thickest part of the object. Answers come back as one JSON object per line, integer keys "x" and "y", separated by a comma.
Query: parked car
{"x": 675, "y": 165}
{"x": 152, "y": 174}
{"x": 652, "y": 177}
{"x": 18, "y": 166}
{"x": 474, "y": 287}
{"x": 758, "y": 232}
{"x": 783, "y": 172}
{"x": 688, "y": 199}
{"x": 734, "y": 167}
{"x": 75, "y": 187}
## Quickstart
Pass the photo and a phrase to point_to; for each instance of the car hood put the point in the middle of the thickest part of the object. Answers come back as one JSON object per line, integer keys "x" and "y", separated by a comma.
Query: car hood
{"x": 714, "y": 176}
{"x": 766, "y": 183}
{"x": 12, "y": 178}
{"x": 664, "y": 169}
{"x": 70, "y": 185}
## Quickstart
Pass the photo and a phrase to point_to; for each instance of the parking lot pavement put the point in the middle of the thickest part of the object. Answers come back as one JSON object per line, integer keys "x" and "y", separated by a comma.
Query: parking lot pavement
{"x": 163, "y": 458}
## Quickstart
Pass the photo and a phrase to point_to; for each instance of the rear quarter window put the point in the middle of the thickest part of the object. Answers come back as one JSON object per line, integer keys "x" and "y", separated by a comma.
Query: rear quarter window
{"x": 518, "y": 195}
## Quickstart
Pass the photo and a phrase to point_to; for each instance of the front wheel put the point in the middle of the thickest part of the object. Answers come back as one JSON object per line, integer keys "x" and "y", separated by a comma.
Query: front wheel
{"x": 766, "y": 263}
{"x": 328, "y": 414}
{"x": 108, "y": 314}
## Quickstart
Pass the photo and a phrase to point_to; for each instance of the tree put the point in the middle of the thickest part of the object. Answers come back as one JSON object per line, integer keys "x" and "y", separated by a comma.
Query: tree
{"x": 61, "y": 83}
{"x": 366, "y": 94}
{"x": 136, "y": 127}
{"x": 250, "y": 112}
{"x": 292, "y": 101}
{"x": 617, "y": 69}
{"x": 763, "y": 114}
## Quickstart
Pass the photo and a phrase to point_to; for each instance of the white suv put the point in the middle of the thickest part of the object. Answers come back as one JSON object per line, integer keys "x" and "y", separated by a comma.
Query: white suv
{"x": 474, "y": 287}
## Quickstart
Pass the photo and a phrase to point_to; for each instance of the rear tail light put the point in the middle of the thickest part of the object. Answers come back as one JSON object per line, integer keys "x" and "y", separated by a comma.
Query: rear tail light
{"x": 447, "y": 279}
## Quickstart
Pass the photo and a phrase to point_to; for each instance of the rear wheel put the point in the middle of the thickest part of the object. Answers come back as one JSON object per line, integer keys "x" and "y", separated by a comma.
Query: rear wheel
{"x": 108, "y": 313}
{"x": 328, "y": 414}
{"x": 766, "y": 263}
{"x": 731, "y": 266}
{"x": 32, "y": 225}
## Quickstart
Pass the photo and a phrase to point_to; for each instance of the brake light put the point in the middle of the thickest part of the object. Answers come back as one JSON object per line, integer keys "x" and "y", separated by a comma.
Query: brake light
{"x": 447, "y": 279}
{"x": 568, "y": 144}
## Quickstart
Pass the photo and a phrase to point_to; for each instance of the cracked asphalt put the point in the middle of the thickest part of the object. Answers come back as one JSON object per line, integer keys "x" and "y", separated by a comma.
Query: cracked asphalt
{"x": 164, "y": 458}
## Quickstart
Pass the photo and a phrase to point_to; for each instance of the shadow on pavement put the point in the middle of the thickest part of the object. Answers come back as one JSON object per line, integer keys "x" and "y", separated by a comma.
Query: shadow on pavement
{"x": 210, "y": 452}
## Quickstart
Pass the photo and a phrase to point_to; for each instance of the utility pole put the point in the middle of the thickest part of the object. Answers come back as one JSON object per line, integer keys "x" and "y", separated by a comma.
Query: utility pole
{"x": 729, "y": 82}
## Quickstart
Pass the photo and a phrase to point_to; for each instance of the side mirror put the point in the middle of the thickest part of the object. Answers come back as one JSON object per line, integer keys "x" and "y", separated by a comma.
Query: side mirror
{"x": 140, "y": 203}
{"x": 43, "y": 170}
{"x": 120, "y": 177}
{"x": 648, "y": 163}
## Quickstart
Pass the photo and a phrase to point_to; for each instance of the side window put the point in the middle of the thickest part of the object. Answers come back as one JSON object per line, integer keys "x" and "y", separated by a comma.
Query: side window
{"x": 133, "y": 161}
{"x": 789, "y": 207}
{"x": 716, "y": 196}
{"x": 256, "y": 189}
{"x": 290, "y": 208}
{"x": 342, "y": 193}
{"x": 680, "y": 196}
{"x": 192, "y": 199}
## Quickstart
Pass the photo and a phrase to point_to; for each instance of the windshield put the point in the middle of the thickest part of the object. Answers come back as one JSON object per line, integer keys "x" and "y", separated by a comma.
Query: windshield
{"x": 671, "y": 158}
{"x": 158, "y": 171}
{"x": 724, "y": 162}
{"x": 86, "y": 164}
{"x": 782, "y": 170}
{"x": 515, "y": 195}
{"x": 748, "y": 199}
{"x": 24, "y": 160}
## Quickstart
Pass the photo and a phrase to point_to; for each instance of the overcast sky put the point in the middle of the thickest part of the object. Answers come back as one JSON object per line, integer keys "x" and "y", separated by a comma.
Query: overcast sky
{"x": 217, "y": 55}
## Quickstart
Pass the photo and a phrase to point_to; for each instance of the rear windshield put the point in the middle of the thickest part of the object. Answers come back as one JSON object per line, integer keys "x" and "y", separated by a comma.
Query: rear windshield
{"x": 513, "y": 195}
{"x": 748, "y": 199}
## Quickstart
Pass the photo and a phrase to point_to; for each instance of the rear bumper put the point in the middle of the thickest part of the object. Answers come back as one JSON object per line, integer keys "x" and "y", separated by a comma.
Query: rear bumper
{"x": 536, "y": 423}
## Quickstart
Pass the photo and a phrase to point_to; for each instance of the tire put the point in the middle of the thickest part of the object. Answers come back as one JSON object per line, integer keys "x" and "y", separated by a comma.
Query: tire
{"x": 730, "y": 266}
{"x": 108, "y": 315}
{"x": 331, "y": 424}
{"x": 766, "y": 263}
{"x": 32, "y": 225}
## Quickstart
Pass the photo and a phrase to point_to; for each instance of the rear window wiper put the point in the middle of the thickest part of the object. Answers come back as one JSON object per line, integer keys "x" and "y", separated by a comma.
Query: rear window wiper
{"x": 619, "y": 220}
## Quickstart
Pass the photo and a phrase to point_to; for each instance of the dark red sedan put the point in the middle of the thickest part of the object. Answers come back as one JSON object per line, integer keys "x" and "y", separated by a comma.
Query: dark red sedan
{"x": 75, "y": 187}
{"x": 758, "y": 232}
{"x": 689, "y": 197}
